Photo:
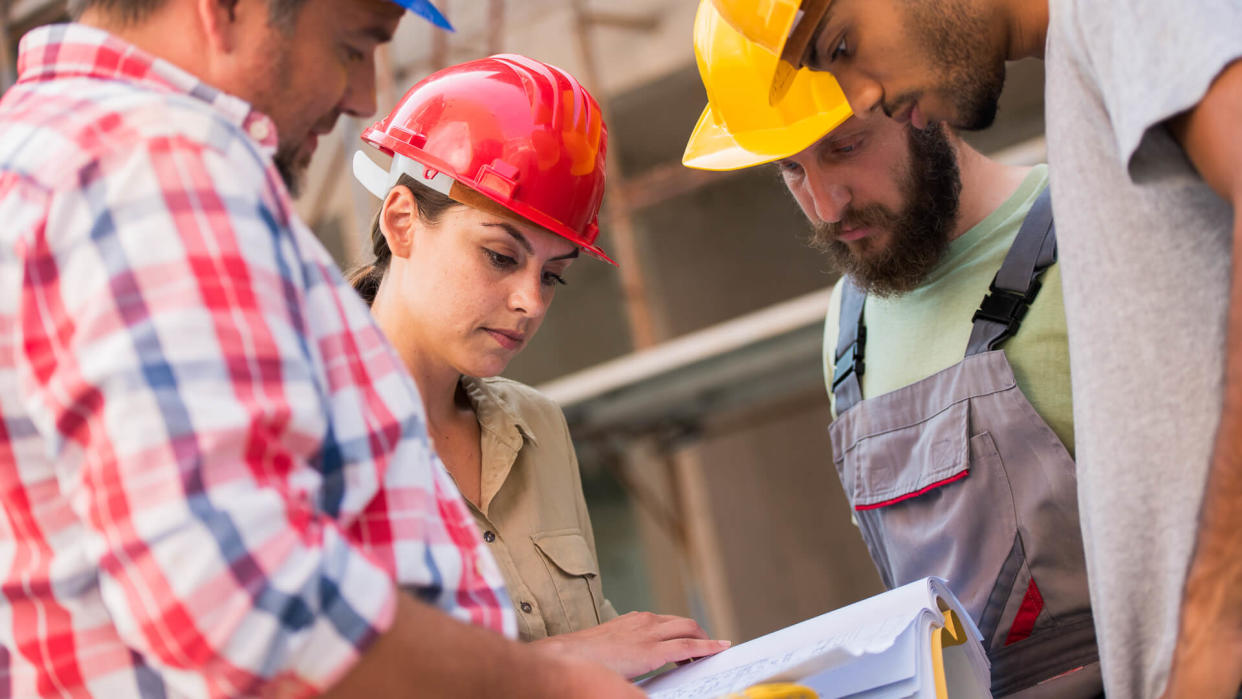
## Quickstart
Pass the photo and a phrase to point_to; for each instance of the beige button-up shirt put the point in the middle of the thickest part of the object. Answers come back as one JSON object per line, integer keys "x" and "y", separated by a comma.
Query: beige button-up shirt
{"x": 532, "y": 513}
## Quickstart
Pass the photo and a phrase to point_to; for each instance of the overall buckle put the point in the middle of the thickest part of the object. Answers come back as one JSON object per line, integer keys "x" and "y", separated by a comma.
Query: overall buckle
{"x": 1005, "y": 306}
{"x": 851, "y": 361}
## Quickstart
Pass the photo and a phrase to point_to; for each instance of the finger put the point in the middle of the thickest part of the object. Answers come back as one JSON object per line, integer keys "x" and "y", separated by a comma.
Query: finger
{"x": 689, "y": 649}
{"x": 680, "y": 627}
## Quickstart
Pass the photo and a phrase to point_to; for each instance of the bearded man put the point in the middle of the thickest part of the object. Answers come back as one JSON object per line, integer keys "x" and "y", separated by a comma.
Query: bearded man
{"x": 945, "y": 354}
{"x": 946, "y": 357}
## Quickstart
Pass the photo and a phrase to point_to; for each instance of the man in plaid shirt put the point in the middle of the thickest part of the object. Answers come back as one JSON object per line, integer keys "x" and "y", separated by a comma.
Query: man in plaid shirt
{"x": 216, "y": 475}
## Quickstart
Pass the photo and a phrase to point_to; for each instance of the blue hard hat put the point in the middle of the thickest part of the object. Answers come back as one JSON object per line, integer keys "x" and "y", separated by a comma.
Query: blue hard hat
{"x": 424, "y": 9}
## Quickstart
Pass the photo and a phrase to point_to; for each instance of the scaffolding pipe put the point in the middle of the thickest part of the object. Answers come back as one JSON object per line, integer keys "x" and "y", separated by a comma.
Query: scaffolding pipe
{"x": 495, "y": 26}
{"x": 639, "y": 312}
{"x": 439, "y": 41}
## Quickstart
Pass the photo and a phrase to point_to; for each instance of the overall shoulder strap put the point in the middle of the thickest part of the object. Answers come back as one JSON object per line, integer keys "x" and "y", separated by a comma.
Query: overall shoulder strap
{"x": 851, "y": 338}
{"x": 1017, "y": 283}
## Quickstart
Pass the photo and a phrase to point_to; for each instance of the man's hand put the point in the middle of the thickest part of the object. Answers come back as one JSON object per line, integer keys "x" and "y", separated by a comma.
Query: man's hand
{"x": 1207, "y": 661}
{"x": 426, "y": 653}
{"x": 636, "y": 643}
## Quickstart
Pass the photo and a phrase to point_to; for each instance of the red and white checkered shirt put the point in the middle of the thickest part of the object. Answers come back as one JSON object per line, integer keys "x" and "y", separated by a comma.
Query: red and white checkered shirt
{"x": 215, "y": 471}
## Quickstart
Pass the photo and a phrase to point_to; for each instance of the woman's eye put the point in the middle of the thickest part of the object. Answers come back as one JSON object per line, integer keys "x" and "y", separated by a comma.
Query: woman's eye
{"x": 551, "y": 278}
{"x": 354, "y": 54}
{"x": 500, "y": 261}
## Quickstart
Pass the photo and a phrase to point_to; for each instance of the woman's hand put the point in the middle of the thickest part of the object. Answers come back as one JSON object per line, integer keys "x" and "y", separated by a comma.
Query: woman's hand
{"x": 637, "y": 642}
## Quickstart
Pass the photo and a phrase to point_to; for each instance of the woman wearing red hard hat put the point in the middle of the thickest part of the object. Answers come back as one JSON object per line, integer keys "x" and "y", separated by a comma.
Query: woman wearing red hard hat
{"x": 495, "y": 184}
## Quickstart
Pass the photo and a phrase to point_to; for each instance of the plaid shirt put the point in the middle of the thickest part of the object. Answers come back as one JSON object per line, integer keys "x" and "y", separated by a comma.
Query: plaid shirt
{"x": 215, "y": 470}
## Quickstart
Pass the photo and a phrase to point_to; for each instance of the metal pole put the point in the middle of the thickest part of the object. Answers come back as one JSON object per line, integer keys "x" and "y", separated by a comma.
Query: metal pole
{"x": 439, "y": 42}
{"x": 495, "y": 27}
{"x": 642, "y": 320}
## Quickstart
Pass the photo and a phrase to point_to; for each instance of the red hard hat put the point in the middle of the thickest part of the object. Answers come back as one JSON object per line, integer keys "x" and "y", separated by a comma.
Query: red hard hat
{"x": 522, "y": 133}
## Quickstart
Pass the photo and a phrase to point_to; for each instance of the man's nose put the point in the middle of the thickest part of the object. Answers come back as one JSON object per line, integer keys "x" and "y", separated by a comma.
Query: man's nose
{"x": 829, "y": 197}
{"x": 864, "y": 94}
{"x": 359, "y": 98}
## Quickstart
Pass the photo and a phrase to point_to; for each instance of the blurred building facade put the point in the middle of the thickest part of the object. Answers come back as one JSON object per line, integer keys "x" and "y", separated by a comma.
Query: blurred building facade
{"x": 691, "y": 375}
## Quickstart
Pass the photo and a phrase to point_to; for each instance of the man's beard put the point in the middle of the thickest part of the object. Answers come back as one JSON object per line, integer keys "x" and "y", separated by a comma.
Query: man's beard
{"x": 919, "y": 234}
{"x": 291, "y": 170}
{"x": 953, "y": 35}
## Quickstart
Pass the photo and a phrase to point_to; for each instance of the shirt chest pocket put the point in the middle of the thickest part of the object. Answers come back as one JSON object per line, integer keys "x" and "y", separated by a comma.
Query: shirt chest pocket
{"x": 574, "y": 573}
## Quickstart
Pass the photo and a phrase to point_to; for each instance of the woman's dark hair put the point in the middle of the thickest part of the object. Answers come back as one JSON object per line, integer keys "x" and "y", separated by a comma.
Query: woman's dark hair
{"x": 431, "y": 206}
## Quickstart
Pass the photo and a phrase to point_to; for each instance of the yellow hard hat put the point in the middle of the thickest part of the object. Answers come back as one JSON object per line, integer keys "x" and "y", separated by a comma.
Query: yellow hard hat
{"x": 739, "y": 128}
{"x": 783, "y": 27}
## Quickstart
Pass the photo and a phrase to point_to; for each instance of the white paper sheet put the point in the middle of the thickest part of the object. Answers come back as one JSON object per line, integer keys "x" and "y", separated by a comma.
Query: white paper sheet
{"x": 876, "y": 647}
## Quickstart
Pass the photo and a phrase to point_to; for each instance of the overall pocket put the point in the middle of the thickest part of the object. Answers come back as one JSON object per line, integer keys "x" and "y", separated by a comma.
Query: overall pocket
{"x": 574, "y": 572}
{"x": 931, "y": 499}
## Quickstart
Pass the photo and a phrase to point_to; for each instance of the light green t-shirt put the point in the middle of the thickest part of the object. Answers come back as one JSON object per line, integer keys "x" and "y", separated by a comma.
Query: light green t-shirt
{"x": 914, "y": 335}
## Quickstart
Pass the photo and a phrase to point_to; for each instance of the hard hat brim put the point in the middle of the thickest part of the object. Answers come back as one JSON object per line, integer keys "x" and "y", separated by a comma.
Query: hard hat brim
{"x": 711, "y": 147}
{"x": 424, "y": 9}
{"x": 378, "y": 181}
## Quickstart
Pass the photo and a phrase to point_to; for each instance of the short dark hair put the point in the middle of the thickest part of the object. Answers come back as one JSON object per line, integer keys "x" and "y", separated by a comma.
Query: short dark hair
{"x": 281, "y": 12}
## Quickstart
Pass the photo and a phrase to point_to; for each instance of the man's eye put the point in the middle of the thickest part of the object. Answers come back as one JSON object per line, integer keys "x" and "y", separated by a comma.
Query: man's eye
{"x": 354, "y": 54}
{"x": 788, "y": 167}
{"x": 839, "y": 52}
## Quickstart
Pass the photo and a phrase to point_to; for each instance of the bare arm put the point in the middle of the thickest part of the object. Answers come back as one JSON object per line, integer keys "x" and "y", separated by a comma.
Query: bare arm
{"x": 1207, "y": 661}
{"x": 426, "y": 653}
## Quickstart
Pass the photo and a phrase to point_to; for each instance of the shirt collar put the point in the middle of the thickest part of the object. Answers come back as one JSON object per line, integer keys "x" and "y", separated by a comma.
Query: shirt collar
{"x": 495, "y": 415}
{"x": 60, "y": 51}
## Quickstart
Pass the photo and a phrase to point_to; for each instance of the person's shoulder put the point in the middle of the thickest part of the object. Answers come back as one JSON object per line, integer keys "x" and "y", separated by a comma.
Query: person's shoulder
{"x": 541, "y": 414}
{"x": 63, "y": 127}
{"x": 522, "y": 399}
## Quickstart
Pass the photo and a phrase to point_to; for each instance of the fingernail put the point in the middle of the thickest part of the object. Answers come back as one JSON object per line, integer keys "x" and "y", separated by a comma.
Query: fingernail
{"x": 724, "y": 644}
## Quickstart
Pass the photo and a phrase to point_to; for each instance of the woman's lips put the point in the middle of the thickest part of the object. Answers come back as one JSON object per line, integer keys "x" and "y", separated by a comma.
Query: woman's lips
{"x": 508, "y": 340}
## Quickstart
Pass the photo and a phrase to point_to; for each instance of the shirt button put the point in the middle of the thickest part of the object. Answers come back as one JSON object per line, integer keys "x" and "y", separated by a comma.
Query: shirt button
{"x": 489, "y": 537}
{"x": 526, "y": 607}
{"x": 259, "y": 130}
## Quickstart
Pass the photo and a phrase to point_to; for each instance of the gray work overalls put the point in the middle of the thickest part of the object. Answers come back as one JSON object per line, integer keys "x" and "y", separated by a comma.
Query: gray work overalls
{"x": 958, "y": 476}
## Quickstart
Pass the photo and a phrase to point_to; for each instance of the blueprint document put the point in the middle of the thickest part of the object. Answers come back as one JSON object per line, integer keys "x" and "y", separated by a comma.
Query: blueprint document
{"x": 879, "y": 647}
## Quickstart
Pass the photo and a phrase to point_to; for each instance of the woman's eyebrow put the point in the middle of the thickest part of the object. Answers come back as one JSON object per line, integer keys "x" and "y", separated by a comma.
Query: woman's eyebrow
{"x": 517, "y": 235}
{"x": 521, "y": 239}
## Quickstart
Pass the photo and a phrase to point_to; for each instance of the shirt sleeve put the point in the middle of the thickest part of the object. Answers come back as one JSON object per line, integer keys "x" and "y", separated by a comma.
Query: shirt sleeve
{"x": 162, "y": 333}
{"x": 1154, "y": 59}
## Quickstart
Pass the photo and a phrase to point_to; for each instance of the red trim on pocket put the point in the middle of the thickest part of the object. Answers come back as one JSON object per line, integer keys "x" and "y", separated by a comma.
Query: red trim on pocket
{"x": 915, "y": 494}
{"x": 1024, "y": 623}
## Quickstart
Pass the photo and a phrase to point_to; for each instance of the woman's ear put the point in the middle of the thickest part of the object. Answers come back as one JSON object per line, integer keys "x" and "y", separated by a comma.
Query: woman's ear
{"x": 398, "y": 220}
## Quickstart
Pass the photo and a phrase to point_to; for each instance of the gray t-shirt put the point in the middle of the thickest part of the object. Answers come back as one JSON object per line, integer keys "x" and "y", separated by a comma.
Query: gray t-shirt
{"x": 1145, "y": 258}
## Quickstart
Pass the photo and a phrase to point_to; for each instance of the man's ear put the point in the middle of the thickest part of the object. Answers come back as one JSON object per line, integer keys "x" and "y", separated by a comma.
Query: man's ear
{"x": 219, "y": 20}
{"x": 398, "y": 220}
